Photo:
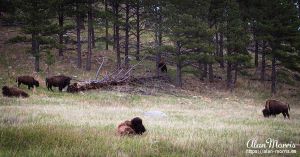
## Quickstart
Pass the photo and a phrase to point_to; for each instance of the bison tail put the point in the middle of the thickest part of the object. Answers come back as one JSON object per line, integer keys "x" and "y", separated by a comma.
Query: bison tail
{"x": 289, "y": 106}
{"x": 16, "y": 79}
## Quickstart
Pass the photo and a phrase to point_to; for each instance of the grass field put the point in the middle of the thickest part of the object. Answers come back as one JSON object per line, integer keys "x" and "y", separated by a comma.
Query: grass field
{"x": 202, "y": 119}
{"x": 61, "y": 124}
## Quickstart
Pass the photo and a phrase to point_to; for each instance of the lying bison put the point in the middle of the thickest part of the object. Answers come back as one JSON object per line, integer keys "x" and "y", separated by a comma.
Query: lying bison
{"x": 133, "y": 127}
{"x": 274, "y": 107}
{"x": 13, "y": 92}
{"x": 27, "y": 80}
{"x": 59, "y": 81}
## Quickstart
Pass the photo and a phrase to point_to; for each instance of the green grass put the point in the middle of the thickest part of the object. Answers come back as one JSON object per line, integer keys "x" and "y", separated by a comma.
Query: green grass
{"x": 62, "y": 124}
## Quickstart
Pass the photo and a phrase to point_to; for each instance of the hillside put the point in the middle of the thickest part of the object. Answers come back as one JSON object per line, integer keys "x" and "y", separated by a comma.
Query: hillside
{"x": 201, "y": 118}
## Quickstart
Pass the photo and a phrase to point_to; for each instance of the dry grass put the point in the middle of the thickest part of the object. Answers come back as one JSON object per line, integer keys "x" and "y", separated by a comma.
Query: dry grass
{"x": 85, "y": 125}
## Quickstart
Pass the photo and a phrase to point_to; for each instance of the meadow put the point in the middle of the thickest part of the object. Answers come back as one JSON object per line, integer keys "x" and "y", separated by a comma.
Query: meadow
{"x": 62, "y": 124}
{"x": 201, "y": 118}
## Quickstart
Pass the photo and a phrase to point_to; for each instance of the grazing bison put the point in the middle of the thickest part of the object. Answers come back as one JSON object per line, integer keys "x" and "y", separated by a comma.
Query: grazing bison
{"x": 162, "y": 66}
{"x": 27, "y": 80}
{"x": 13, "y": 92}
{"x": 59, "y": 81}
{"x": 133, "y": 127}
{"x": 274, "y": 107}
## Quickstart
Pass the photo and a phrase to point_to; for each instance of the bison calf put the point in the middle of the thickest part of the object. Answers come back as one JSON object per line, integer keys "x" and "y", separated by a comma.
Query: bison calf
{"x": 133, "y": 127}
{"x": 13, "y": 92}
{"x": 274, "y": 107}
{"x": 59, "y": 81}
{"x": 27, "y": 80}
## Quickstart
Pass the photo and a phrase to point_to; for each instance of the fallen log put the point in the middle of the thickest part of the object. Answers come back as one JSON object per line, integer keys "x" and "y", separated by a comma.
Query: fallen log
{"x": 91, "y": 85}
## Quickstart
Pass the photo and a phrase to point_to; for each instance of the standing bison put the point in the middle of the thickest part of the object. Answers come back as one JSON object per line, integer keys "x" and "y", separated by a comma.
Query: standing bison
{"x": 13, "y": 92}
{"x": 133, "y": 127}
{"x": 59, "y": 81}
{"x": 274, "y": 107}
{"x": 162, "y": 66}
{"x": 27, "y": 80}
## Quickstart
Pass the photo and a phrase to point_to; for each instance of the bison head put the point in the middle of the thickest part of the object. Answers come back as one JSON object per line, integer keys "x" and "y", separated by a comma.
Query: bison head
{"x": 266, "y": 112}
{"x": 5, "y": 90}
{"x": 36, "y": 83}
{"x": 137, "y": 125}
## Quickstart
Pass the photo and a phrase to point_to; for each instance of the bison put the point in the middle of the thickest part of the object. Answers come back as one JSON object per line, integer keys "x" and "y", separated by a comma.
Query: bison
{"x": 125, "y": 128}
{"x": 27, "y": 80}
{"x": 132, "y": 127}
{"x": 274, "y": 107}
{"x": 59, "y": 81}
{"x": 162, "y": 66}
{"x": 13, "y": 92}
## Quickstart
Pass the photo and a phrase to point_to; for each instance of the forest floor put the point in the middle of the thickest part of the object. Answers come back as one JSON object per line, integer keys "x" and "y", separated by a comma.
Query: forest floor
{"x": 201, "y": 119}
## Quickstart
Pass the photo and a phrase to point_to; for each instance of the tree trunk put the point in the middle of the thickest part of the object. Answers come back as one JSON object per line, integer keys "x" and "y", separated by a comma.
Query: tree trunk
{"x": 117, "y": 35}
{"x": 78, "y": 26}
{"x": 93, "y": 36}
{"x": 61, "y": 33}
{"x": 35, "y": 51}
{"x": 229, "y": 76}
{"x": 127, "y": 35}
{"x": 114, "y": 36}
{"x": 138, "y": 31}
{"x": 210, "y": 72}
{"x": 204, "y": 74}
{"x": 256, "y": 53}
{"x": 158, "y": 55}
{"x": 217, "y": 44}
{"x": 159, "y": 42}
{"x": 235, "y": 73}
{"x": 90, "y": 23}
{"x": 221, "y": 51}
{"x": 273, "y": 87}
{"x": 263, "y": 62}
{"x": 178, "y": 67}
{"x": 200, "y": 65}
{"x": 106, "y": 26}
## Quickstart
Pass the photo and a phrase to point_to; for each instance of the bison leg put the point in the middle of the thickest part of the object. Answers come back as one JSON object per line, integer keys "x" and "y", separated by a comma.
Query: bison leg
{"x": 60, "y": 89}
{"x": 284, "y": 114}
{"x": 287, "y": 113}
{"x": 19, "y": 83}
{"x": 50, "y": 87}
{"x": 28, "y": 86}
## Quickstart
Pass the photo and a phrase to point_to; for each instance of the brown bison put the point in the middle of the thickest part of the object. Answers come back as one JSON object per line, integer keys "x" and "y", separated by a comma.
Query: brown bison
{"x": 125, "y": 128}
{"x": 13, "y": 92}
{"x": 274, "y": 107}
{"x": 133, "y": 127}
{"x": 27, "y": 80}
{"x": 162, "y": 66}
{"x": 59, "y": 81}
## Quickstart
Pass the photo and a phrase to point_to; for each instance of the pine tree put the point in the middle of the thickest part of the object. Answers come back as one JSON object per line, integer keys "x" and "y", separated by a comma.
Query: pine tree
{"x": 155, "y": 13}
{"x": 36, "y": 18}
{"x": 90, "y": 31}
{"x": 63, "y": 9}
{"x": 190, "y": 33}
{"x": 236, "y": 41}
{"x": 280, "y": 27}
